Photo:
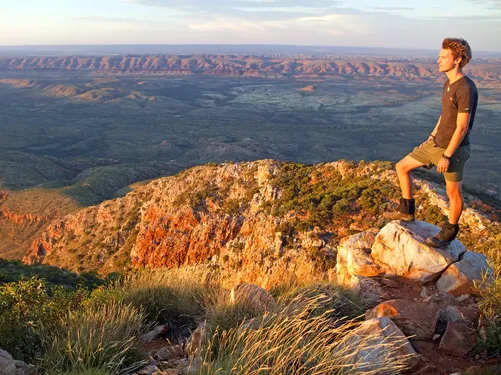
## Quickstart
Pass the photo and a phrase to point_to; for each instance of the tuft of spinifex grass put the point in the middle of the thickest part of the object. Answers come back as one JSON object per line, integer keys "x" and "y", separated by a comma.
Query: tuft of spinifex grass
{"x": 95, "y": 338}
{"x": 295, "y": 339}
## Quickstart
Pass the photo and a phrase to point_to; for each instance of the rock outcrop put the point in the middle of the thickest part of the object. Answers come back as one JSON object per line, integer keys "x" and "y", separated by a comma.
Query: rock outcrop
{"x": 9, "y": 366}
{"x": 416, "y": 319}
{"x": 383, "y": 335}
{"x": 399, "y": 250}
{"x": 397, "y": 258}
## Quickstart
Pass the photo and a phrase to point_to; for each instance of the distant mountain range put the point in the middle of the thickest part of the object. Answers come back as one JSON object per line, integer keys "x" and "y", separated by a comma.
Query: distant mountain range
{"x": 488, "y": 71}
{"x": 223, "y": 49}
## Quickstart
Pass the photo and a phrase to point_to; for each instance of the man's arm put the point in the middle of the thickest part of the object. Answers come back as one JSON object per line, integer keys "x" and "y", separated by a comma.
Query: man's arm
{"x": 461, "y": 129}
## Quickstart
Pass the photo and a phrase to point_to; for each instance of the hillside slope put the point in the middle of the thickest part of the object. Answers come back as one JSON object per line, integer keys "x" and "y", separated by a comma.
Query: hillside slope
{"x": 257, "y": 221}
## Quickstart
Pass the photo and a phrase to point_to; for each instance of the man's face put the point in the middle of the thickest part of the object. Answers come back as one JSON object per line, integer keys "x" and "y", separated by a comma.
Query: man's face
{"x": 446, "y": 61}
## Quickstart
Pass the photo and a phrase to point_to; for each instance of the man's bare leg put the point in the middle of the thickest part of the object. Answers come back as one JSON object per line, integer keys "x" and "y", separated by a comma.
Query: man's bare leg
{"x": 455, "y": 201}
{"x": 404, "y": 168}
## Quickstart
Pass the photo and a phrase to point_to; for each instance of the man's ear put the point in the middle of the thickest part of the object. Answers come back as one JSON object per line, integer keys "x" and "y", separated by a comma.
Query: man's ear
{"x": 458, "y": 60}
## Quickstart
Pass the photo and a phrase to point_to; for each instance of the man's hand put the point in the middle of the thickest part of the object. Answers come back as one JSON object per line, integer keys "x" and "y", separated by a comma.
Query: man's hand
{"x": 443, "y": 165}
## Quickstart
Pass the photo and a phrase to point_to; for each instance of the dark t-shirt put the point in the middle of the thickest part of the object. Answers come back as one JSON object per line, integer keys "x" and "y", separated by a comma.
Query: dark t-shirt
{"x": 458, "y": 97}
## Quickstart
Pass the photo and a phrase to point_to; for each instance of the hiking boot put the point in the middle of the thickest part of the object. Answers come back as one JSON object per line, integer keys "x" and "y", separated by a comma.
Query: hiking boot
{"x": 406, "y": 211}
{"x": 446, "y": 235}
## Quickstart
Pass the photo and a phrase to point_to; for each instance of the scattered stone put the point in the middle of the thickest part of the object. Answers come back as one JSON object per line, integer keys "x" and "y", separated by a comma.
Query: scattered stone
{"x": 427, "y": 369}
{"x": 416, "y": 319}
{"x": 401, "y": 250}
{"x": 463, "y": 297}
{"x": 155, "y": 333}
{"x": 7, "y": 364}
{"x": 458, "y": 340}
{"x": 423, "y": 346}
{"x": 353, "y": 260}
{"x": 443, "y": 299}
{"x": 391, "y": 283}
{"x": 24, "y": 369}
{"x": 474, "y": 369}
{"x": 194, "y": 345}
{"x": 468, "y": 314}
{"x": 424, "y": 292}
{"x": 149, "y": 370}
{"x": 252, "y": 295}
{"x": 195, "y": 366}
{"x": 459, "y": 277}
{"x": 383, "y": 334}
{"x": 436, "y": 336}
{"x": 370, "y": 290}
{"x": 169, "y": 352}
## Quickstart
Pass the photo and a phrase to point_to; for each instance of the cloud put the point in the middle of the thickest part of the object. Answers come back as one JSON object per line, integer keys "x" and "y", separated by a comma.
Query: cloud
{"x": 98, "y": 19}
{"x": 490, "y": 4}
{"x": 230, "y": 7}
{"x": 328, "y": 24}
{"x": 393, "y": 8}
{"x": 211, "y": 4}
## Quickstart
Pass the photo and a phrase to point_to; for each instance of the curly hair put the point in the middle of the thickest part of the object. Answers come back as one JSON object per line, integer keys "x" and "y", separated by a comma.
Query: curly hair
{"x": 459, "y": 48}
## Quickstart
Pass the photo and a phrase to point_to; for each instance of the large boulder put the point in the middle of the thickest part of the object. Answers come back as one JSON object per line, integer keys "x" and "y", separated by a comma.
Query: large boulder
{"x": 376, "y": 341}
{"x": 7, "y": 364}
{"x": 468, "y": 314}
{"x": 417, "y": 319}
{"x": 459, "y": 278}
{"x": 458, "y": 340}
{"x": 354, "y": 259}
{"x": 401, "y": 250}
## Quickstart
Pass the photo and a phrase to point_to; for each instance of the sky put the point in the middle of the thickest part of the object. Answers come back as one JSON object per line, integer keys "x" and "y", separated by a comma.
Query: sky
{"x": 420, "y": 24}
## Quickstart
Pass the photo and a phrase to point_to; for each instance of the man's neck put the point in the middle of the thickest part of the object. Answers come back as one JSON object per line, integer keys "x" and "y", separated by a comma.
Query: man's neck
{"x": 455, "y": 74}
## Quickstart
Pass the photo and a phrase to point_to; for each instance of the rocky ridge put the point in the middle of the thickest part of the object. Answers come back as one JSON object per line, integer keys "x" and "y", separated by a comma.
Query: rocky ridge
{"x": 251, "y": 66}
{"x": 259, "y": 222}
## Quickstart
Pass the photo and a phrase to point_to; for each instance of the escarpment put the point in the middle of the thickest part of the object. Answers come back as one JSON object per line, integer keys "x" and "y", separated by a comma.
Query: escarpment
{"x": 260, "y": 221}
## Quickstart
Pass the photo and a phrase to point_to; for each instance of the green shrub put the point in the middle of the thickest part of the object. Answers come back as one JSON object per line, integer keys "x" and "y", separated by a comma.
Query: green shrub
{"x": 15, "y": 270}
{"x": 28, "y": 306}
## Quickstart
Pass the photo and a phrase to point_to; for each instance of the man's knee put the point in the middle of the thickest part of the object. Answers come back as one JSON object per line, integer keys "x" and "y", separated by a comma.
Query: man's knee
{"x": 404, "y": 167}
{"x": 454, "y": 191}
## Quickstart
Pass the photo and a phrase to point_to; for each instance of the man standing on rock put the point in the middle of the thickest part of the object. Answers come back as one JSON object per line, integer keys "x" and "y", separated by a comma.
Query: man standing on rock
{"x": 448, "y": 146}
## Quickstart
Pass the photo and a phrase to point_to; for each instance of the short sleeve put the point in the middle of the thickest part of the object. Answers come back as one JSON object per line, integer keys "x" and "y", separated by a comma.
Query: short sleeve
{"x": 465, "y": 100}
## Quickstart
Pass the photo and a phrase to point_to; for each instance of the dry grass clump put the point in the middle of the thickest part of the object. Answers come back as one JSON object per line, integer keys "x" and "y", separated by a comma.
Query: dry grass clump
{"x": 102, "y": 338}
{"x": 340, "y": 302}
{"x": 175, "y": 296}
{"x": 490, "y": 287}
{"x": 295, "y": 339}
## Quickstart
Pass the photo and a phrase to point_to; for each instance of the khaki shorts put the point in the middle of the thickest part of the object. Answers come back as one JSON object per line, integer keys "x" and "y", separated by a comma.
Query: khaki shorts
{"x": 429, "y": 154}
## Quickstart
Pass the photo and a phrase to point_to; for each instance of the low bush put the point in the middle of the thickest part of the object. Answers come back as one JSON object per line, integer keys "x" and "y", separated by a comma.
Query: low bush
{"x": 27, "y": 307}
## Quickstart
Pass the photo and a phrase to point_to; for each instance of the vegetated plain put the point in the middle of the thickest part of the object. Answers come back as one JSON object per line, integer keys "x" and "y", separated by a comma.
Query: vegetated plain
{"x": 73, "y": 138}
{"x": 67, "y": 123}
